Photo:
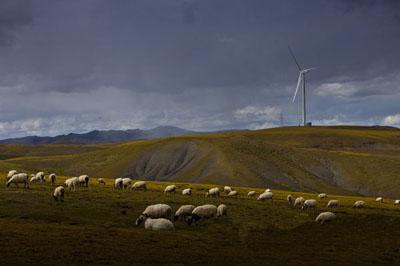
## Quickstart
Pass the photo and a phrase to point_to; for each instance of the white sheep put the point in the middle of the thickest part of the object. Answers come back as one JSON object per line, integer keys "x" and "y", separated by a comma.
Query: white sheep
{"x": 58, "y": 194}
{"x": 322, "y": 196}
{"x": 118, "y": 183}
{"x": 397, "y": 202}
{"x": 289, "y": 199}
{"x": 359, "y": 204}
{"x": 18, "y": 179}
{"x": 170, "y": 189}
{"x": 325, "y": 216}
{"x": 213, "y": 192}
{"x": 158, "y": 224}
{"x": 227, "y": 189}
{"x": 299, "y": 201}
{"x": 84, "y": 180}
{"x": 310, "y": 203}
{"x": 222, "y": 210}
{"x": 10, "y": 174}
{"x": 333, "y": 203}
{"x": 35, "y": 179}
{"x": 187, "y": 191}
{"x": 233, "y": 193}
{"x": 265, "y": 195}
{"x": 155, "y": 211}
{"x": 101, "y": 181}
{"x": 139, "y": 185}
{"x": 126, "y": 182}
{"x": 202, "y": 212}
{"x": 52, "y": 179}
{"x": 40, "y": 176}
{"x": 251, "y": 193}
{"x": 184, "y": 211}
{"x": 72, "y": 183}
{"x": 379, "y": 199}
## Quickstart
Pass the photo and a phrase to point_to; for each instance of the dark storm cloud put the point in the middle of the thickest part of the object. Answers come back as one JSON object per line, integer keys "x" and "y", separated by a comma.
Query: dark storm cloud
{"x": 202, "y": 65}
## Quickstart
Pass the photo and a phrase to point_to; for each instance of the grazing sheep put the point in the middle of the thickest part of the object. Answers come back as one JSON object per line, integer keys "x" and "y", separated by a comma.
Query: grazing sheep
{"x": 325, "y": 216}
{"x": 202, "y": 212}
{"x": 118, "y": 183}
{"x": 158, "y": 224}
{"x": 139, "y": 185}
{"x": 299, "y": 201}
{"x": 126, "y": 182}
{"x": 359, "y": 204}
{"x": 184, "y": 211}
{"x": 35, "y": 179}
{"x": 333, "y": 203}
{"x": 322, "y": 196}
{"x": 222, "y": 210}
{"x": 379, "y": 199}
{"x": 251, "y": 193}
{"x": 18, "y": 179}
{"x": 170, "y": 189}
{"x": 72, "y": 183}
{"x": 289, "y": 199}
{"x": 213, "y": 192}
{"x": 101, "y": 181}
{"x": 265, "y": 195}
{"x": 58, "y": 194}
{"x": 397, "y": 202}
{"x": 310, "y": 203}
{"x": 10, "y": 174}
{"x": 233, "y": 193}
{"x": 84, "y": 180}
{"x": 155, "y": 211}
{"x": 227, "y": 189}
{"x": 40, "y": 176}
{"x": 52, "y": 179}
{"x": 187, "y": 191}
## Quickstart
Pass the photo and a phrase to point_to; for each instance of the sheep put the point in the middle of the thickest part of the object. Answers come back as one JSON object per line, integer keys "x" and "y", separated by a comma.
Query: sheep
{"x": 233, "y": 193}
{"x": 310, "y": 203}
{"x": 58, "y": 194}
{"x": 170, "y": 189}
{"x": 322, "y": 196}
{"x": 251, "y": 193}
{"x": 213, "y": 192}
{"x": 158, "y": 224}
{"x": 397, "y": 202}
{"x": 139, "y": 185}
{"x": 289, "y": 199}
{"x": 72, "y": 183}
{"x": 17, "y": 179}
{"x": 324, "y": 217}
{"x": 118, "y": 183}
{"x": 10, "y": 174}
{"x": 222, "y": 210}
{"x": 35, "y": 179}
{"x": 52, "y": 179}
{"x": 202, "y": 212}
{"x": 84, "y": 180}
{"x": 126, "y": 182}
{"x": 155, "y": 211}
{"x": 184, "y": 211}
{"x": 40, "y": 176}
{"x": 379, "y": 199}
{"x": 359, "y": 204}
{"x": 299, "y": 201}
{"x": 101, "y": 181}
{"x": 187, "y": 191}
{"x": 227, "y": 189}
{"x": 265, "y": 195}
{"x": 333, "y": 203}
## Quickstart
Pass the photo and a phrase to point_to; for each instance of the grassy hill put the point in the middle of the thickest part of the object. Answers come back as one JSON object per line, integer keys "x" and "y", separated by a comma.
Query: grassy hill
{"x": 341, "y": 160}
{"x": 95, "y": 226}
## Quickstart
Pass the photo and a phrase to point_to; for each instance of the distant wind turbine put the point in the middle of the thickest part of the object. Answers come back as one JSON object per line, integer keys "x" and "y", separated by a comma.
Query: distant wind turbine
{"x": 302, "y": 77}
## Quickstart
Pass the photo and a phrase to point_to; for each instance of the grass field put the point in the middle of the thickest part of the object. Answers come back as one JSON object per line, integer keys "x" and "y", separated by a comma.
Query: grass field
{"x": 96, "y": 226}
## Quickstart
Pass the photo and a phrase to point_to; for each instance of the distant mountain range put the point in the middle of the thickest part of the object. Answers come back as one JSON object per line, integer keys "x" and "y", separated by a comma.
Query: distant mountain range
{"x": 103, "y": 136}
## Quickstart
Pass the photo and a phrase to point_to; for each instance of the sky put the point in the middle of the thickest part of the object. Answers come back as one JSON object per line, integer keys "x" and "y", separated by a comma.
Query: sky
{"x": 76, "y": 66}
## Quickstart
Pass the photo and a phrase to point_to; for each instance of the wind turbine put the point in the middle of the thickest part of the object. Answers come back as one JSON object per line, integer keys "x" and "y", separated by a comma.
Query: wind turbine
{"x": 302, "y": 77}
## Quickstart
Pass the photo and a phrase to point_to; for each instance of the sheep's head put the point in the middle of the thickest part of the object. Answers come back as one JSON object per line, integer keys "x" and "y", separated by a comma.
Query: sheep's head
{"x": 140, "y": 220}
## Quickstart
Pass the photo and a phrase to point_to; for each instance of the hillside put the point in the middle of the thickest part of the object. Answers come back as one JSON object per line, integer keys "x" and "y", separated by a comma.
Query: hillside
{"x": 341, "y": 160}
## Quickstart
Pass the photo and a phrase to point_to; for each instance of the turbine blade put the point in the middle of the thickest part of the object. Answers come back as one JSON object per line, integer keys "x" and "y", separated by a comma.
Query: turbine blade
{"x": 294, "y": 58}
{"x": 297, "y": 87}
{"x": 308, "y": 69}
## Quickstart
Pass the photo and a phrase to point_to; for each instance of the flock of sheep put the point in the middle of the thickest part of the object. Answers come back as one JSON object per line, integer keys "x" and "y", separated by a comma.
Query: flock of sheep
{"x": 160, "y": 216}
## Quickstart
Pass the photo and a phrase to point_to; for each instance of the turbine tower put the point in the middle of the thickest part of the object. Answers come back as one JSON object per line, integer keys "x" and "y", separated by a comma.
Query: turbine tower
{"x": 302, "y": 77}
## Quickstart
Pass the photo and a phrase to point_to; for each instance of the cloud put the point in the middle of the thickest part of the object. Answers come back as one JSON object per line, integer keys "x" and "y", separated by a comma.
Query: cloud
{"x": 392, "y": 120}
{"x": 250, "y": 113}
